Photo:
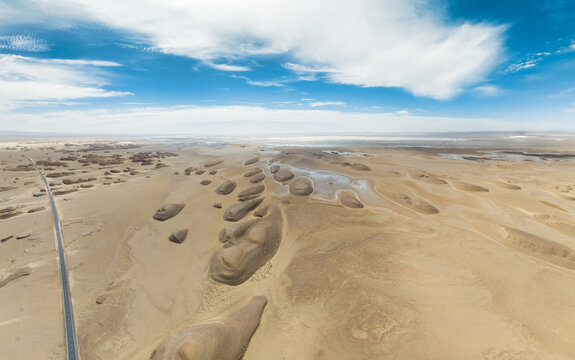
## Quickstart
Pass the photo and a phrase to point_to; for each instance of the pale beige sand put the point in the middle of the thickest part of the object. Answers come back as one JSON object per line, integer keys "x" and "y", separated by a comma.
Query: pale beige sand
{"x": 448, "y": 259}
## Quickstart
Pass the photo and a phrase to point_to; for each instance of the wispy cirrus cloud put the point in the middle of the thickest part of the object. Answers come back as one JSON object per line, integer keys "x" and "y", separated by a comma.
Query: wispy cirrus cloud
{"x": 27, "y": 81}
{"x": 24, "y": 43}
{"x": 228, "y": 67}
{"x": 267, "y": 83}
{"x": 371, "y": 43}
{"x": 326, "y": 103}
{"x": 240, "y": 120}
{"x": 488, "y": 90}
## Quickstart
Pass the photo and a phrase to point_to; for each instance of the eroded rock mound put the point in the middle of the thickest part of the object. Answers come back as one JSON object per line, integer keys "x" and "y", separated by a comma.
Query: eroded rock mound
{"x": 349, "y": 200}
{"x": 251, "y": 191}
{"x": 301, "y": 187}
{"x": 274, "y": 169}
{"x": 206, "y": 182}
{"x": 360, "y": 167}
{"x": 247, "y": 247}
{"x": 283, "y": 175}
{"x": 252, "y": 161}
{"x": 15, "y": 275}
{"x": 225, "y": 337}
{"x": 226, "y": 188}
{"x": 238, "y": 211}
{"x": 252, "y": 172}
{"x": 257, "y": 178}
{"x": 213, "y": 163}
{"x": 168, "y": 211}
{"x": 189, "y": 170}
{"x": 179, "y": 236}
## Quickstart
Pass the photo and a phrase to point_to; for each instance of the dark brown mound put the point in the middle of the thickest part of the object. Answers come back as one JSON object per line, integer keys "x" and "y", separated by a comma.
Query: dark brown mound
{"x": 8, "y": 209}
{"x": 36, "y": 209}
{"x": 283, "y": 175}
{"x": 168, "y": 211}
{"x": 64, "y": 192}
{"x": 348, "y": 199}
{"x": 217, "y": 205}
{"x": 301, "y": 187}
{"x": 254, "y": 190}
{"x": 77, "y": 181}
{"x": 252, "y": 172}
{"x": 59, "y": 174}
{"x": 200, "y": 172}
{"x": 213, "y": 163}
{"x": 226, "y": 188}
{"x": 6, "y": 188}
{"x": 8, "y": 215}
{"x": 257, "y": 178}
{"x": 360, "y": 167}
{"x": 238, "y": 211}
{"x": 252, "y": 161}
{"x": 274, "y": 169}
{"x": 190, "y": 170}
{"x": 206, "y": 182}
{"x": 213, "y": 172}
{"x": 15, "y": 275}
{"x": 179, "y": 236}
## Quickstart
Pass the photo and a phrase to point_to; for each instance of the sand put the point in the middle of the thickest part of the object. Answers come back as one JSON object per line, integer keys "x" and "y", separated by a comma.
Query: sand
{"x": 454, "y": 254}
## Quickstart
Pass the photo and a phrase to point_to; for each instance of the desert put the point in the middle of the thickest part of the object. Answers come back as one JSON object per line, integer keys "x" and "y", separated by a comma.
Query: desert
{"x": 409, "y": 253}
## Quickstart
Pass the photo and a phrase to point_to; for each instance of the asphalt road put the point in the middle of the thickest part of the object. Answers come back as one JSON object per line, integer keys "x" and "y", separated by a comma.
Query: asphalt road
{"x": 70, "y": 330}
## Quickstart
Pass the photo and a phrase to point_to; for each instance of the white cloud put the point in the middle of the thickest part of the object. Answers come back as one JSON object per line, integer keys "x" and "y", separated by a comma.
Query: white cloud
{"x": 269, "y": 83}
{"x": 522, "y": 65}
{"x": 22, "y": 43}
{"x": 227, "y": 67}
{"x": 26, "y": 81}
{"x": 402, "y": 112}
{"x": 240, "y": 120}
{"x": 389, "y": 43}
{"x": 488, "y": 90}
{"x": 326, "y": 103}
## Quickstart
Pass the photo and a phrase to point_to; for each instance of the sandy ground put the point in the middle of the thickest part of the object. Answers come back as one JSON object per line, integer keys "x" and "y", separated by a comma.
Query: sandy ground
{"x": 455, "y": 254}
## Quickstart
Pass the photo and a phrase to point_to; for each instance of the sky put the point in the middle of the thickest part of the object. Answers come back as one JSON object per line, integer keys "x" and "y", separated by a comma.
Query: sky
{"x": 226, "y": 67}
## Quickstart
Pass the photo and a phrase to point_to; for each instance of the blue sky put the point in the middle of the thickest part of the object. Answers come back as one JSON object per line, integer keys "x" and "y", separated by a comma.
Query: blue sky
{"x": 251, "y": 67}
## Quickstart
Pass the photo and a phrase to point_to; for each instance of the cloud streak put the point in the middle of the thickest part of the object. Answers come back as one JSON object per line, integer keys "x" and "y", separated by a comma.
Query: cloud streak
{"x": 27, "y": 81}
{"x": 326, "y": 103}
{"x": 243, "y": 120}
{"x": 369, "y": 43}
{"x": 22, "y": 43}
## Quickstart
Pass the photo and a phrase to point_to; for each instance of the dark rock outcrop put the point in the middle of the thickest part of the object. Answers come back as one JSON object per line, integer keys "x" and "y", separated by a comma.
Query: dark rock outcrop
{"x": 179, "y": 236}
{"x": 226, "y": 188}
{"x": 283, "y": 175}
{"x": 239, "y": 211}
{"x": 301, "y": 187}
{"x": 251, "y": 191}
{"x": 168, "y": 211}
